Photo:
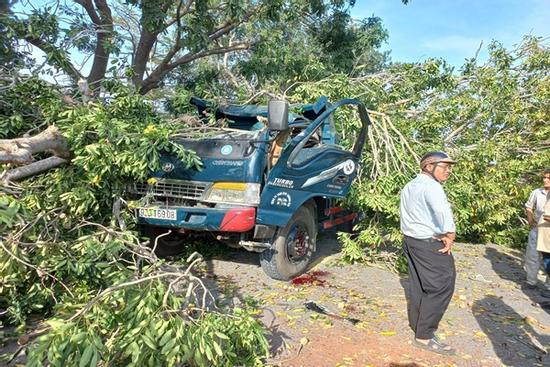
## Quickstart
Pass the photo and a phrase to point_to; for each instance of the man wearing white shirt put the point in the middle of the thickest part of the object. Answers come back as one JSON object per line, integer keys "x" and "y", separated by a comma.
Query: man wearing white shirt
{"x": 429, "y": 231}
{"x": 534, "y": 209}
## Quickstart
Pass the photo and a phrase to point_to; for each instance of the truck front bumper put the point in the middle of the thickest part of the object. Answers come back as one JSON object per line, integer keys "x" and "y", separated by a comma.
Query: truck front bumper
{"x": 239, "y": 219}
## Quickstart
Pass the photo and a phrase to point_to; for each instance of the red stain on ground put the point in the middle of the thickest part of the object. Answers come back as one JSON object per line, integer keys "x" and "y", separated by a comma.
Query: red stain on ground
{"x": 314, "y": 278}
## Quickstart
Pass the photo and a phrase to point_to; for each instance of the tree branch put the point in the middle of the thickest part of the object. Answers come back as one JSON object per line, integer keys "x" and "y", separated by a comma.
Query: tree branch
{"x": 32, "y": 169}
{"x": 215, "y": 51}
{"x": 166, "y": 65}
{"x": 180, "y": 13}
{"x": 141, "y": 57}
{"x": 64, "y": 64}
{"x": 104, "y": 32}
{"x": 223, "y": 30}
{"x": 39, "y": 271}
{"x": 19, "y": 151}
{"x": 89, "y": 7}
{"x": 147, "y": 40}
{"x": 154, "y": 79}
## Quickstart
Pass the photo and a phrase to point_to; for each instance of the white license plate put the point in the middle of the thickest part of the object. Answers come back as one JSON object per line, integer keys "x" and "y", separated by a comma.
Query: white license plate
{"x": 167, "y": 214}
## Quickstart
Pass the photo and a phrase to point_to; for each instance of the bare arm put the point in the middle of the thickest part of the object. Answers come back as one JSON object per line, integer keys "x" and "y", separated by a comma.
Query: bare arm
{"x": 530, "y": 218}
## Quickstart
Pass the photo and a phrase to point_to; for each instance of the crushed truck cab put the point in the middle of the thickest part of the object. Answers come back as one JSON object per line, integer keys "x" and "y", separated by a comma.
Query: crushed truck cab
{"x": 268, "y": 183}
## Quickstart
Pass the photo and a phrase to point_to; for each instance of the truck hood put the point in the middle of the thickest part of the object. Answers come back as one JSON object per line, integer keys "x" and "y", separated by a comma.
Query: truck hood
{"x": 226, "y": 158}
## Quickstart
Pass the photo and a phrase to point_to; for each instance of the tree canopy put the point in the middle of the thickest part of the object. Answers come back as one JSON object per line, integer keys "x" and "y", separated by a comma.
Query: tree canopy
{"x": 150, "y": 42}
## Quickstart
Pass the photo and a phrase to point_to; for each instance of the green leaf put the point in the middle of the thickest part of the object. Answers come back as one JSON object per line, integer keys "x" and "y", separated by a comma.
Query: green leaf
{"x": 95, "y": 359}
{"x": 165, "y": 337}
{"x": 218, "y": 349}
{"x": 86, "y": 355}
{"x": 209, "y": 353}
{"x": 150, "y": 343}
{"x": 221, "y": 335}
{"x": 168, "y": 346}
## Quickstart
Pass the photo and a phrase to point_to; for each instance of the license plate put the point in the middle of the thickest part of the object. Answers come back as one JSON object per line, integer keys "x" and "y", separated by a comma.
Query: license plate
{"x": 167, "y": 214}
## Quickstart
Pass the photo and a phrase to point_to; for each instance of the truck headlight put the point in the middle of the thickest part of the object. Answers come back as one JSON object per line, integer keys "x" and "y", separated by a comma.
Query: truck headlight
{"x": 234, "y": 193}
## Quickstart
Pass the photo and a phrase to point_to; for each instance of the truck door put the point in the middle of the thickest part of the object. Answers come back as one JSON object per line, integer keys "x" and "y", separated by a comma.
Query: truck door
{"x": 307, "y": 170}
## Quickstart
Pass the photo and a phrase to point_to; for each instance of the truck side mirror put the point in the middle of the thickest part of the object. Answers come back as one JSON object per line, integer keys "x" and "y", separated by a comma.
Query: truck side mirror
{"x": 277, "y": 115}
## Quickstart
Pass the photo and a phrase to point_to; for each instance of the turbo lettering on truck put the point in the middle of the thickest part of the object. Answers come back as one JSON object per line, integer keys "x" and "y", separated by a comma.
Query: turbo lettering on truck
{"x": 281, "y": 182}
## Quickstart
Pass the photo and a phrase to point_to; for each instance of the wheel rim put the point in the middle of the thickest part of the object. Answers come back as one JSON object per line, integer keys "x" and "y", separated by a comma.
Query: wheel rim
{"x": 297, "y": 243}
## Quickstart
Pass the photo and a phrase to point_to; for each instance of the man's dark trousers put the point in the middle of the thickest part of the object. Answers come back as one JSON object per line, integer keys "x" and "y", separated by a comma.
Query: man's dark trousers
{"x": 432, "y": 277}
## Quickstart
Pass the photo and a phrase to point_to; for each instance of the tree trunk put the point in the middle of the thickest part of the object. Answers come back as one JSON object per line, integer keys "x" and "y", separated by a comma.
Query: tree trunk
{"x": 103, "y": 21}
{"x": 19, "y": 151}
{"x": 142, "y": 56}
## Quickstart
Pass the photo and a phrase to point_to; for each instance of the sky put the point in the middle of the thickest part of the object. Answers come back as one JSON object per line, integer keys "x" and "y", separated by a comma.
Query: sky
{"x": 454, "y": 29}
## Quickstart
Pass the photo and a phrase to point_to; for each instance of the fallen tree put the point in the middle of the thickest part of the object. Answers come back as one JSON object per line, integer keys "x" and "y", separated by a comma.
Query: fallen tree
{"x": 16, "y": 174}
{"x": 101, "y": 293}
{"x": 20, "y": 151}
{"x": 104, "y": 297}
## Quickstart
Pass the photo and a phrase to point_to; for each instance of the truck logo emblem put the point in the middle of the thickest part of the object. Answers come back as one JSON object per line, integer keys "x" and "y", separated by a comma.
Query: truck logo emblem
{"x": 168, "y": 167}
{"x": 349, "y": 167}
{"x": 282, "y": 199}
{"x": 226, "y": 149}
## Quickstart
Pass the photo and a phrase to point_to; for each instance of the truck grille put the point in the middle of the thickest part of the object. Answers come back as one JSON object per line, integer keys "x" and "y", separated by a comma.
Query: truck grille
{"x": 172, "y": 189}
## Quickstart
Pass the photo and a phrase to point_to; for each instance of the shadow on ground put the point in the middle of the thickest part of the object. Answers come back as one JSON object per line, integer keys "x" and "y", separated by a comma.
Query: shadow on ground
{"x": 326, "y": 246}
{"x": 514, "y": 340}
{"x": 509, "y": 266}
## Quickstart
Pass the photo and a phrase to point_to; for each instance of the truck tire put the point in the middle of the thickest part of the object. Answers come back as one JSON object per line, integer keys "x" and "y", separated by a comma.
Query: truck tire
{"x": 170, "y": 245}
{"x": 291, "y": 251}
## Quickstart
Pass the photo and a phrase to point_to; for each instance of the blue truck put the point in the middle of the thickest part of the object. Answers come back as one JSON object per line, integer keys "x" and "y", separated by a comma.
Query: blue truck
{"x": 269, "y": 183}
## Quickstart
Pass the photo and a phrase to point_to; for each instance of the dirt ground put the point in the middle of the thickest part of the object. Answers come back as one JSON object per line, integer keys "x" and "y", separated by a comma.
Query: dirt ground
{"x": 491, "y": 321}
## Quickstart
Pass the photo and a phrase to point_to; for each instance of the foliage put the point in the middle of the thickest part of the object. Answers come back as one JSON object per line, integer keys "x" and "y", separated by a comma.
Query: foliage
{"x": 345, "y": 45}
{"x": 9, "y": 55}
{"x": 127, "y": 134}
{"x": 297, "y": 48}
{"x": 137, "y": 326}
{"x": 60, "y": 246}
{"x": 106, "y": 298}
{"x": 27, "y": 104}
{"x": 492, "y": 117}
{"x": 184, "y": 41}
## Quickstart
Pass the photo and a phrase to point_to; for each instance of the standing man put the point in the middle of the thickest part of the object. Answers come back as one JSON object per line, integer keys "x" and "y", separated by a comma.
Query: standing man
{"x": 429, "y": 231}
{"x": 534, "y": 209}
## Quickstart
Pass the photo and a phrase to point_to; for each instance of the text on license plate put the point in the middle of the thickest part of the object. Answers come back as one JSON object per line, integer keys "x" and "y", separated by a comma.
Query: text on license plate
{"x": 168, "y": 214}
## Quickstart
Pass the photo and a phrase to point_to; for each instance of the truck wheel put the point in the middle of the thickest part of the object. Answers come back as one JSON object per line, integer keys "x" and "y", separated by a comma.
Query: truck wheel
{"x": 290, "y": 253}
{"x": 168, "y": 245}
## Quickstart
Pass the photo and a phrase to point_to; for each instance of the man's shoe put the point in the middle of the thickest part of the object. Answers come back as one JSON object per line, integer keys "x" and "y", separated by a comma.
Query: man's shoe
{"x": 545, "y": 293}
{"x": 436, "y": 346}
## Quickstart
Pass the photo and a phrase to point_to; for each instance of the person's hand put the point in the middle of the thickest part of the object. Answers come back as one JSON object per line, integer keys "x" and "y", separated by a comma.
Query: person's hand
{"x": 532, "y": 224}
{"x": 546, "y": 218}
{"x": 447, "y": 240}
